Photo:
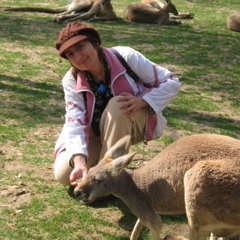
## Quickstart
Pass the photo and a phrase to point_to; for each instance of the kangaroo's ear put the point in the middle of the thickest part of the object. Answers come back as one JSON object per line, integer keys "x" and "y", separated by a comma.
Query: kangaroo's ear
{"x": 120, "y": 148}
{"x": 120, "y": 163}
{"x": 168, "y": 1}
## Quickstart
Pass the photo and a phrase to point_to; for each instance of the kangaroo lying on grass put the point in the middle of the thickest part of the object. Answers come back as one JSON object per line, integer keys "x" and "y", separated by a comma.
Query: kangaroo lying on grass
{"x": 159, "y": 5}
{"x": 157, "y": 187}
{"x": 95, "y": 10}
{"x": 233, "y": 22}
{"x": 144, "y": 13}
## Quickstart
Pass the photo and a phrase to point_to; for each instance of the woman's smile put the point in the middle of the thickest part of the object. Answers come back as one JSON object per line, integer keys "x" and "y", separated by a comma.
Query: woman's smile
{"x": 83, "y": 61}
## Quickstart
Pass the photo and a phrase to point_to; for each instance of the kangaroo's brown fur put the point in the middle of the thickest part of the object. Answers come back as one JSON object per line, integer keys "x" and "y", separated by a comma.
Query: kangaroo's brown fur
{"x": 159, "y": 5}
{"x": 212, "y": 198}
{"x": 144, "y": 13}
{"x": 95, "y": 10}
{"x": 233, "y": 22}
{"x": 157, "y": 187}
{"x": 154, "y": 3}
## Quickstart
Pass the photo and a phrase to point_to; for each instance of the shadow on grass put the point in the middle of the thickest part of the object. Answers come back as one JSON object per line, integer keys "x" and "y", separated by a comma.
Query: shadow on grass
{"x": 102, "y": 202}
{"x": 38, "y": 101}
{"x": 16, "y": 84}
{"x": 128, "y": 220}
{"x": 223, "y": 125}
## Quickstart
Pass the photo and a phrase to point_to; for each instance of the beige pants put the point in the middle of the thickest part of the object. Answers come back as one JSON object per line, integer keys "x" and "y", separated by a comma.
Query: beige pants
{"x": 113, "y": 126}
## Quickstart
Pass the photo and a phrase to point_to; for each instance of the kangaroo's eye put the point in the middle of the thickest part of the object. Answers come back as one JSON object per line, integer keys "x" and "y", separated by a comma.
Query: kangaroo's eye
{"x": 97, "y": 180}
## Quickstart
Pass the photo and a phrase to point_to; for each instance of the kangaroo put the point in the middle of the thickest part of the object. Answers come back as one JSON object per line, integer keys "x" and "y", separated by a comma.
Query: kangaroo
{"x": 233, "y": 22}
{"x": 212, "y": 198}
{"x": 154, "y": 3}
{"x": 95, "y": 10}
{"x": 144, "y": 13}
{"x": 157, "y": 187}
{"x": 159, "y": 5}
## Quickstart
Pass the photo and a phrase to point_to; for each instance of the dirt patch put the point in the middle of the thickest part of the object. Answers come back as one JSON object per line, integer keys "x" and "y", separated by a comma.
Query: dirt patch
{"x": 20, "y": 192}
{"x": 16, "y": 195}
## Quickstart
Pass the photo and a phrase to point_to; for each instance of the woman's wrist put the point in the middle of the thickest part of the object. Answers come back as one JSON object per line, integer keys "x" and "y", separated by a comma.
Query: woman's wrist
{"x": 147, "y": 105}
{"x": 78, "y": 160}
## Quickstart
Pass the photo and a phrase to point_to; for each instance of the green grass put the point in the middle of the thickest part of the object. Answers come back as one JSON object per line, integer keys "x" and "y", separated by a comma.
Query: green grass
{"x": 202, "y": 52}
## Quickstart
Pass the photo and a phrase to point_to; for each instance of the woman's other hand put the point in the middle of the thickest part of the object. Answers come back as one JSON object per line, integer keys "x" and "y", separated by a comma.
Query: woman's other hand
{"x": 130, "y": 104}
{"x": 80, "y": 169}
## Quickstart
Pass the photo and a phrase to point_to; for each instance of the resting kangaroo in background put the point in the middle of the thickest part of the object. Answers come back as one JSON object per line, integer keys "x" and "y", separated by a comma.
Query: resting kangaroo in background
{"x": 95, "y": 10}
{"x": 159, "y": 5}
{"x": 157, "y": 187}
{"x": 233, "y": 22}
{"x": 144, "y": 13}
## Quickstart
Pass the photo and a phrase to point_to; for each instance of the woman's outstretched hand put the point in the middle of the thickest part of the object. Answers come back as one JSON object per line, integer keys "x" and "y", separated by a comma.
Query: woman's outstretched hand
{"x": 80, "y": 169}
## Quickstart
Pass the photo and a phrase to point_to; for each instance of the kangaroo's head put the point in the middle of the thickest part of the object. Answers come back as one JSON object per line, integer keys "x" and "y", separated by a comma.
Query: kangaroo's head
{"x": 101, "y": 179}
{"x": 169, "y": 7}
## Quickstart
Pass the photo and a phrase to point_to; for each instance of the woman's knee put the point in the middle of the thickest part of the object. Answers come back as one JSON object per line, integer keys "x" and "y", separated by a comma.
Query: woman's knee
{"x": 62, "y": 170}
{"x": 61, "y": 178}
{"x": 113, "y": 108}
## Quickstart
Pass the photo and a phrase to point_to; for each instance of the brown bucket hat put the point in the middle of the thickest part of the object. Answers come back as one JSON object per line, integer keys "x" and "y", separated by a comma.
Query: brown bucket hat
{"x": 73, "y": 33}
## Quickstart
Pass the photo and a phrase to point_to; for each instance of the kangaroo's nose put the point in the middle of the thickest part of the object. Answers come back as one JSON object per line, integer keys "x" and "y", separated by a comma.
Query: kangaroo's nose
{"x": 77, "y": 191}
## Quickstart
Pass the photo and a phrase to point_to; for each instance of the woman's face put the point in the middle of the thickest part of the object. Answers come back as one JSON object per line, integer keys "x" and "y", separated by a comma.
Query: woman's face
{"x": 82, "y": 56}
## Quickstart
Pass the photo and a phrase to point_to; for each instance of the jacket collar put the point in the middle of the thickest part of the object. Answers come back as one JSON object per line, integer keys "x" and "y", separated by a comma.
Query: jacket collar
{"x": 116, "y": 68}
